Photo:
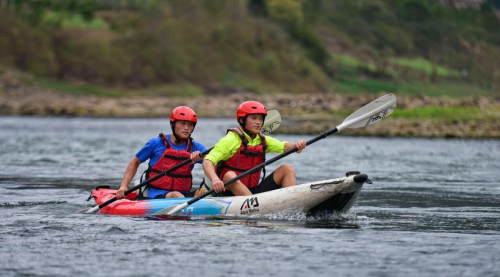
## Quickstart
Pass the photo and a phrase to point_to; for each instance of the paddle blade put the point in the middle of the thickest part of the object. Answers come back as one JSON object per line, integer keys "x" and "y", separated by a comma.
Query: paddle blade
{"x": 87, "y": 211}
{"x": 371, "y": 113}
{"x": 90, "y": 210}
{"x": 168, "y": 211}
{"x": 172, "y": 210}
{"x": 273, "y": 121}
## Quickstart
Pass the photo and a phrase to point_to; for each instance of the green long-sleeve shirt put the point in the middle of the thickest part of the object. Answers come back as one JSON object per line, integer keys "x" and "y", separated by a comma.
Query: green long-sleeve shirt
{"x": 228, "y": 145}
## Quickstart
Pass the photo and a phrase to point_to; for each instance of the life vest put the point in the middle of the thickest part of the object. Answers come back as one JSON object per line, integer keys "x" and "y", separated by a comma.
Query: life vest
{"x": 178, "y": 180}
{"x": 245, "y": 158}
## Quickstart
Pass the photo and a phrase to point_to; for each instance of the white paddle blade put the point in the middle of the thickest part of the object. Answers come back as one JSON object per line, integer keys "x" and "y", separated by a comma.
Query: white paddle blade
{"x": 371, "y": 113}
{"x": 89, "y": 210}
{"x": 273, "y": 121}
{"x": 170, "y": 210}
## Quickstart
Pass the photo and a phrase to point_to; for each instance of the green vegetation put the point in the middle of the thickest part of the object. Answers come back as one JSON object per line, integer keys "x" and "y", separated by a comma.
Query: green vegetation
{"x": 451, "y": 89}
{"x": 440, "y": 114}
{"x": 448, "y": 114}
{"x": 68, "y": 20}
{"x": 452, "y": 83}
{"x": 174, "y": 90}
{"x": 426, "y": 66}
{"x": 197, "y": 47}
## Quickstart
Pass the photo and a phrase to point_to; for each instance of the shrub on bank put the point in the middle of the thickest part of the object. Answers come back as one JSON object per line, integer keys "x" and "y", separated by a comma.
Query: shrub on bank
{"x": 257, "y": 45}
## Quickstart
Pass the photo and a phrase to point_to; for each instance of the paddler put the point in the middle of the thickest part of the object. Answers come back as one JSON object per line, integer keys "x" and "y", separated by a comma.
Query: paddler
{"x": 165, "y": 152}
{"x": 244, "y": 148}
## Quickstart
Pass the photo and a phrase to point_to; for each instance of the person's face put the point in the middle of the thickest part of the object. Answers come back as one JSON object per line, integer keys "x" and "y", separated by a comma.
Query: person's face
{"x": 254, "y": 123}
{"x": 183, "y": 129}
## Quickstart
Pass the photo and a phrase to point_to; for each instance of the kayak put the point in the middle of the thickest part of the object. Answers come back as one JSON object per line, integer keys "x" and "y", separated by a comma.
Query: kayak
{"x": 316, "y": 198}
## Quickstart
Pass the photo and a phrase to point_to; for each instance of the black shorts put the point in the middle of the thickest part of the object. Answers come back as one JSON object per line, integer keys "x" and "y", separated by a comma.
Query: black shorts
{"x": 267, "y": 184}
{"x": 185, "y": 193}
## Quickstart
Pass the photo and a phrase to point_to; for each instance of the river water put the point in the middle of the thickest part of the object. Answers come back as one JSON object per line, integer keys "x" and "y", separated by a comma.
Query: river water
{"x": 433, "y": 208}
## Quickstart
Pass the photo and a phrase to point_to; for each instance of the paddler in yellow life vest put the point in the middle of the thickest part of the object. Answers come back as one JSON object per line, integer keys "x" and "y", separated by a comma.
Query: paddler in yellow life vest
{"x": 165, "y": 152}
{"x": 244, "y": 148}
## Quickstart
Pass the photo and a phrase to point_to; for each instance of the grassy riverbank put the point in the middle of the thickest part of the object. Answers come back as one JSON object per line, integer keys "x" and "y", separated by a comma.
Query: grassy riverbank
{"x": 355, "y": 86}
{"x": 315, "y": 61}
{"x": 419, "y": 116}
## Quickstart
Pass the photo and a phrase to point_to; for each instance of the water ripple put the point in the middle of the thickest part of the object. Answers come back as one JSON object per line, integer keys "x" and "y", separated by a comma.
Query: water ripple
{"x": 432, "y": 211}
{"x": 34, "y": 203}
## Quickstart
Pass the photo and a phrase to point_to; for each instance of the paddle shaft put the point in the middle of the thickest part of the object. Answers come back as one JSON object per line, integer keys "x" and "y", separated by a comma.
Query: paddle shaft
{"x": 96, "y": 208}
{"x": 253, "y": 170}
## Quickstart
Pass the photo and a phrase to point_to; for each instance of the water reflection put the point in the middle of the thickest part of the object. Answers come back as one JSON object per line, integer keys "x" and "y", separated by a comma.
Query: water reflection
{"x": 274, "y": 224}
{"x": 263, "y": 221}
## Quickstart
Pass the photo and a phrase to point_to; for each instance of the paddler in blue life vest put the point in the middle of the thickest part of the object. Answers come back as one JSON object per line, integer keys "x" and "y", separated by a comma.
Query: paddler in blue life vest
{"x": 244, "y": 148}
{"x": 165, "y": 152}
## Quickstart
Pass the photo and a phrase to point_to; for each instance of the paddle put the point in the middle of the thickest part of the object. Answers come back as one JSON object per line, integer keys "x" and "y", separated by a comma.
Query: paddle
{"x": 369, "y": 114}
{"x": 272, "y": 122}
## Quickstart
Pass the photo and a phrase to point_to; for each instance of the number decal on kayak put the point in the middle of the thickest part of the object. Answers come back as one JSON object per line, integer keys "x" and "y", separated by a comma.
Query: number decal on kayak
{"x": 250, "y": 205}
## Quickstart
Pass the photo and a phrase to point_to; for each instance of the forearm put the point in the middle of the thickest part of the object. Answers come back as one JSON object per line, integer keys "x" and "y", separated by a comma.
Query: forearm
{"x": 130, "y": 172}
{"x": 299, "y": 145}
{"x": 209, "y": 169}
{"x": 288, "y": 146}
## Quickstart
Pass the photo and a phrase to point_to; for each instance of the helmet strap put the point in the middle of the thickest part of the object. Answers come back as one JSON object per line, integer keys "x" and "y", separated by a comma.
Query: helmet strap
{"x": 243, "y": 122}
{"x": 177, "y": 138}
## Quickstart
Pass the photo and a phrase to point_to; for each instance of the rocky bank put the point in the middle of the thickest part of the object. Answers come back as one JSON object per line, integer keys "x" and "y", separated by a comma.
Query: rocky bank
{"x": 301, "y": 113}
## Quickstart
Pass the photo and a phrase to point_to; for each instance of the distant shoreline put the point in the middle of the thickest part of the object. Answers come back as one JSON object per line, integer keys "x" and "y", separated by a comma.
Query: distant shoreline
{"x": 301, "y": 113}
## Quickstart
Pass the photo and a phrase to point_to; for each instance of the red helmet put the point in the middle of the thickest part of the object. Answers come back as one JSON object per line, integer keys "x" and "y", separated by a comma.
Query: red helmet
{"x": 250, "y": 107}
{"x": 183, "y": 113}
